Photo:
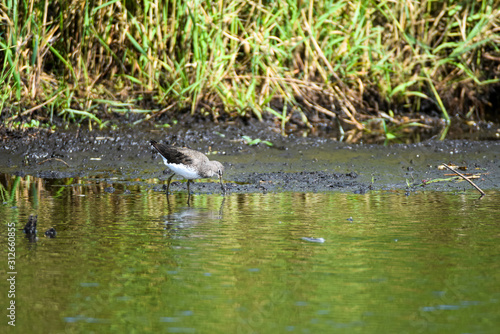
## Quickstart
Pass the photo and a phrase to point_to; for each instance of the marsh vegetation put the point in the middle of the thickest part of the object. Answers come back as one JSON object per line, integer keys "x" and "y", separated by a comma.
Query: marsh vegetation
{"x": 364, "y": 68}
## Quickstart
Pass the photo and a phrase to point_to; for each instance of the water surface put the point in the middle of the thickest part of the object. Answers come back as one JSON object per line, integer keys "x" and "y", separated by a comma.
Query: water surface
{"x": 128, "y": 259}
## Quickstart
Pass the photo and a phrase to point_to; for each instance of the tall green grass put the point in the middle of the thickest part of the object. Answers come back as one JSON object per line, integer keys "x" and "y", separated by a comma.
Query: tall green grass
{"x": 356, "y": 61}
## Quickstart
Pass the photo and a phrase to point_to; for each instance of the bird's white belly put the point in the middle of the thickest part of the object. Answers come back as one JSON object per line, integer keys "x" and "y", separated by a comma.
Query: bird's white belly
{"x": 186, "y": 172}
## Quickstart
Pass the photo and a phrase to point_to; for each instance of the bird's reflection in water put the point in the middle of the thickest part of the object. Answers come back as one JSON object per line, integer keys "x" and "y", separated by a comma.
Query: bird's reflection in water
{"x": 186, "y": 218}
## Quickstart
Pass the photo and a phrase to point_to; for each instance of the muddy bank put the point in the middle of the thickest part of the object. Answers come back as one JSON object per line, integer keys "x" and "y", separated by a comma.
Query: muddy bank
{"x": 291, "y": 164}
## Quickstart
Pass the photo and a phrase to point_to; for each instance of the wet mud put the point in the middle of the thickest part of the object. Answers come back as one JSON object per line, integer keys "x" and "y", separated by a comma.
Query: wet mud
{"x": 292, "y": 164}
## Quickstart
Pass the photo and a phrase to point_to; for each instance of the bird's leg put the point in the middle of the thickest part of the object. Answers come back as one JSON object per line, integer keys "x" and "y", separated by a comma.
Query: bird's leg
{"x": 222, "y": 185}
{"x": 189, "y": 193}
{"x": 168, "y": 182}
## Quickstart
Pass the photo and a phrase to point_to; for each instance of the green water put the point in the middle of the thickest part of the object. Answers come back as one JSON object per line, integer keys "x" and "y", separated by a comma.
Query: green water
{"x": 132, "y": 262}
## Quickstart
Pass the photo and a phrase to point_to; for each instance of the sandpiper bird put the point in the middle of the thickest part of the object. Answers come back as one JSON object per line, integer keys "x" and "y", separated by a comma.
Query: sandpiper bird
{"x": 188, "y": 163}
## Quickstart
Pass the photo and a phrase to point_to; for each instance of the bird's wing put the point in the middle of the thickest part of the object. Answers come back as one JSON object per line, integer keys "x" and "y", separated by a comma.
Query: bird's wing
{"x": 174, "y": 155}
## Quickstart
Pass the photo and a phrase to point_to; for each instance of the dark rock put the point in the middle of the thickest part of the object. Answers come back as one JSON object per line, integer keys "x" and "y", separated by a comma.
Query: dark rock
{"x": 51, "y": 232}
{"x": 30, "y": 227}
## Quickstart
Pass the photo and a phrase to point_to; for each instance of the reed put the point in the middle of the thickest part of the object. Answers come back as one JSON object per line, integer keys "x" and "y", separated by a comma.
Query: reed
{"x": 351, "y": 62}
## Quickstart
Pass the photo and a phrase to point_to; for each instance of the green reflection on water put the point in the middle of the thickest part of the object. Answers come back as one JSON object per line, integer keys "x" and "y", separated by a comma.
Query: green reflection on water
{"x": 131, "y": 261}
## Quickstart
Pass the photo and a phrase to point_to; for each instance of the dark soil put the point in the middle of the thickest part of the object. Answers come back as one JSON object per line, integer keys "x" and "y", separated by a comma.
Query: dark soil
{"x": 291, "y": 164}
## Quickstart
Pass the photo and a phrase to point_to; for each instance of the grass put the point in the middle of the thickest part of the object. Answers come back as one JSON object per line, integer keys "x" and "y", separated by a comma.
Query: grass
{"x": 348, "y": 62}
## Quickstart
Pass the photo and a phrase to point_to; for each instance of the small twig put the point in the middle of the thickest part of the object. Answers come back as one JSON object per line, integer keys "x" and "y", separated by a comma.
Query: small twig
{"x": 64, "y": 162}
{"x": 465, "y": 178}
